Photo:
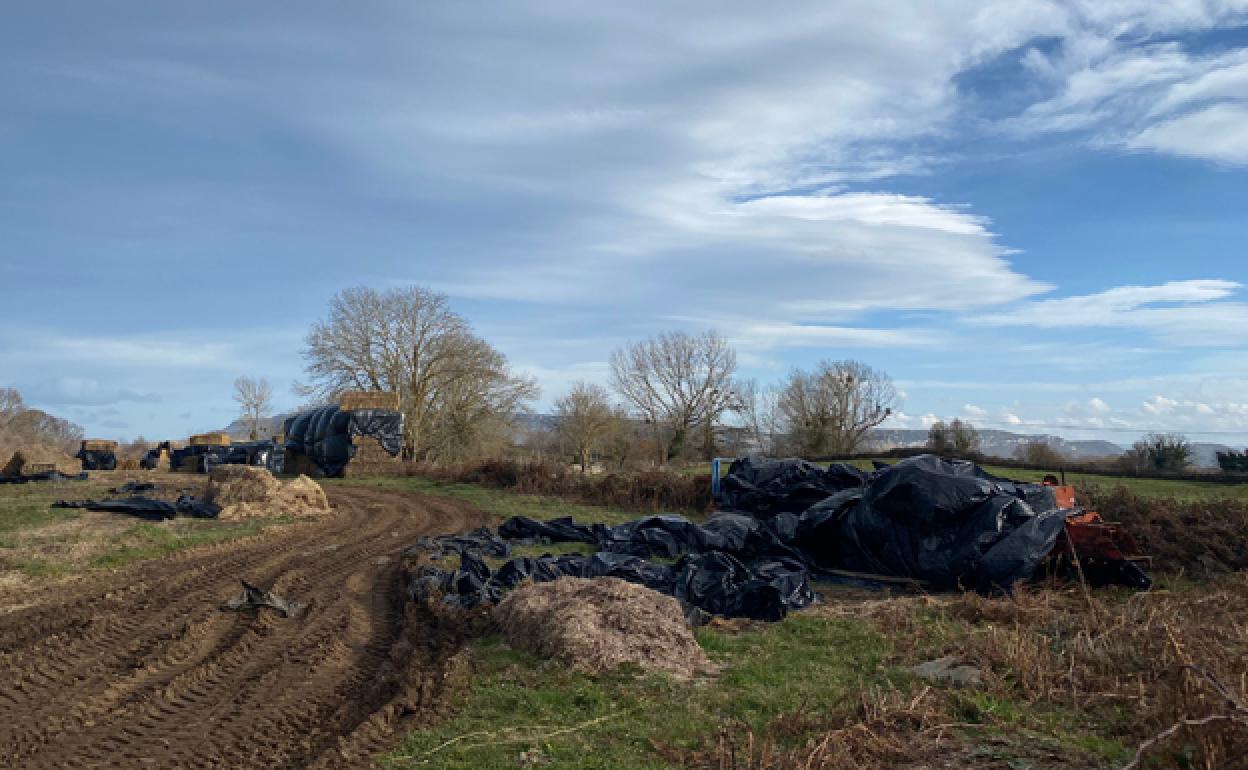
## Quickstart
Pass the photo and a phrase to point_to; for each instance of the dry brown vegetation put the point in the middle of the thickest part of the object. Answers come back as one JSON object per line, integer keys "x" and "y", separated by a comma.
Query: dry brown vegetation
{"x": 1163, "y": 671}
{"x": 1199, "y": 538}
{"x": 645, "y": 491}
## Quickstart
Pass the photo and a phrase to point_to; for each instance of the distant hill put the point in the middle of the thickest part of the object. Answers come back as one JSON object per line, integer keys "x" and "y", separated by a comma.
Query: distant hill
{"x": 269, "y": 427}
{"x": 1001, "y": 443}
{"x": 1206, "y": 455}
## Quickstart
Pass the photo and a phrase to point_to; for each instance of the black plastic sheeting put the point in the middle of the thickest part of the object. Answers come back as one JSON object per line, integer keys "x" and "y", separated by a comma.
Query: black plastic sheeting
{"x": 945, "y": 523}
{"x": 147, "y": 508}
{"x": 48, "y": 476}
{"x": 326, "y": 435}
{"x": 133, "y": 487}
{"x": 263, "y": 454}
{"x": 256, "y": 598}
{"x": 765, "y": 487}
{"x": 734, "y": 566}
{"x": 97, "y": 459}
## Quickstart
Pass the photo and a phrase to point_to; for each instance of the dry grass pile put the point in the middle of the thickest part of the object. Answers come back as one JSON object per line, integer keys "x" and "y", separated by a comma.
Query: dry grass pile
{"x": 646, "y": 491}
{"x": 29, "y": 459}
{"x": 210, "y": 439}
{"x": 369, "y": 399}
{"x": 1201, "y": 538}
{"x": 244, "y": 492}
{"x": 596, "y": 625}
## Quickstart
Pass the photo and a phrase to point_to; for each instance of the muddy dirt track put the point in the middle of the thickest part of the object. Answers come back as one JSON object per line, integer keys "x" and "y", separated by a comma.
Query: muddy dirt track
{"x": 141, "y": 668}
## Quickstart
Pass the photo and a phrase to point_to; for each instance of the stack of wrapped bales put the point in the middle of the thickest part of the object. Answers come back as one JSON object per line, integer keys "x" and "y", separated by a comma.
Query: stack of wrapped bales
{"x": 362, "y": 435}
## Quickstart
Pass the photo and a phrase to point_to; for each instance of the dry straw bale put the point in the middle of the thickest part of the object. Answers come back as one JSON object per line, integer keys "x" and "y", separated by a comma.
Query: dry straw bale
{"x": 99, "y": 445}
{"x": 34, "y": 458}
{"x": 598, "y": 624}
{"x": 210, "y": 439}
{"x": 372, "y": 460}
{"x": 369, "y": 399}
{"x": 245, "y": 492}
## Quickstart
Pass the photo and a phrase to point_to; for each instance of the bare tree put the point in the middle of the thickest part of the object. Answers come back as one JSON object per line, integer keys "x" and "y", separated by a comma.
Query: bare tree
{"x": 457, "y": 392}
{"x": 255, "y": 400}
{"x": 760, "y": 413}
{"x": 586, "y": 418}
{"x": 21, "y": 425}
{"x": 830, "y": 410}
{"x": 10, "y": 405}
{"x": 676, "y": 382}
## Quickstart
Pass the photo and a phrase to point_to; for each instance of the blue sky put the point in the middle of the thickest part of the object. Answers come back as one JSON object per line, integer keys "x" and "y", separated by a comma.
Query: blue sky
{"x": 1030, "y": 214}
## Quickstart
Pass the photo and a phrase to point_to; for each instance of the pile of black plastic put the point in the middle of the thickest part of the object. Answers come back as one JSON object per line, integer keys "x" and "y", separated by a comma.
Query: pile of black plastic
{"x": 326, "y": 435}
{"x": 945, "y": 524}
{"x": 734, "y": 565}
{"x": 147, "y": 508}
{"x": 203, "y": 458}
{"x": 43, "y": 476}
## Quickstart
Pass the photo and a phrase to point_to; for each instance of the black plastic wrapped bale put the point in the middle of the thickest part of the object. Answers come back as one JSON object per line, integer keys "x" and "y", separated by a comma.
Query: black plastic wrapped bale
{"x": 330, "y": 440}
{"x": 944, "y": 522}
{"x": 98, "y": 459}
{"x": 766, "y": 487}
{"x": 266, "y": 454}
{"x": 199, "y": 458}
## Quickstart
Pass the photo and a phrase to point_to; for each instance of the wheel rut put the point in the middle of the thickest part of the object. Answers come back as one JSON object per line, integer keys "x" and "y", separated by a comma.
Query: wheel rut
{"x": 140, "y": 667}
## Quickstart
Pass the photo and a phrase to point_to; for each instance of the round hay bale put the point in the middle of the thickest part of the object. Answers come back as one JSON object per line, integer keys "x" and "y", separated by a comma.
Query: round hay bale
{"x": 597, "y": 624}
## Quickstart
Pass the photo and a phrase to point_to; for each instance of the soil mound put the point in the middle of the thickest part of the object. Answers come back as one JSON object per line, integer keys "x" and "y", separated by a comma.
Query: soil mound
{"x": 245, "y": 492}
{"x": 30, "y": 459}
{"x": 597, "y": 624}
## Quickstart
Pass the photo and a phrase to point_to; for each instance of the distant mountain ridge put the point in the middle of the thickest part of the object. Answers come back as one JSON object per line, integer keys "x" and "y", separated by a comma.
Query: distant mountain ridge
{"x": 1002, "y": 443}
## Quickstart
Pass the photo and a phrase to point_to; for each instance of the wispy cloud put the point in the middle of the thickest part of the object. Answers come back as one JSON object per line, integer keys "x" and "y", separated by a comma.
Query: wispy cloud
{"x": 1190, "y": 313}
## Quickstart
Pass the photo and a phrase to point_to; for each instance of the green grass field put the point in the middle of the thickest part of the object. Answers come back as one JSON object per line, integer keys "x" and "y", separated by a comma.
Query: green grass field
{"x": 39, "y": 541}
{"x": 787, "y": 680}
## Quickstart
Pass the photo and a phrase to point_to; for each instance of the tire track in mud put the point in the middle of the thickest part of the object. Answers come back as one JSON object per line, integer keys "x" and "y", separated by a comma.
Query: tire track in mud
{"x": 141, "y": 668}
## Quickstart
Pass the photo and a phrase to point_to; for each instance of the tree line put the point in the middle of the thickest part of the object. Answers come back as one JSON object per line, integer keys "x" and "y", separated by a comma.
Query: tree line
{"x": 669, "y": 395}
{"x": 23, "y": 425}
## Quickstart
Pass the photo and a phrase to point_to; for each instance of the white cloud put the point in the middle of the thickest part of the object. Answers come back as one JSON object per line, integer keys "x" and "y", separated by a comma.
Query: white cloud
{"x": 1192, "y": 313}
{"x": 1158, "y": 97}
{"x": 1217, "y": 133}
{"x": 1099, "y": 406}
{"x": 975, "y": 411}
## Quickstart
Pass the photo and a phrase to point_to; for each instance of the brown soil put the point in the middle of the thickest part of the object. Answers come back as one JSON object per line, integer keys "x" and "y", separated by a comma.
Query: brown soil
{"x": 139, "y": 667}
{"x": 598, "y": 624}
